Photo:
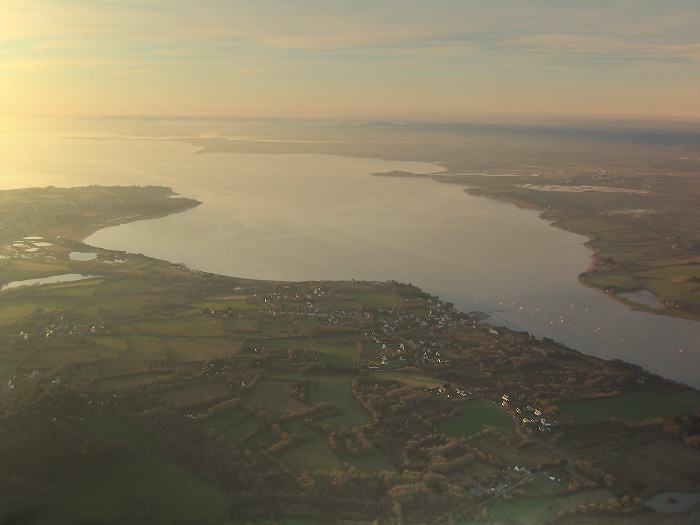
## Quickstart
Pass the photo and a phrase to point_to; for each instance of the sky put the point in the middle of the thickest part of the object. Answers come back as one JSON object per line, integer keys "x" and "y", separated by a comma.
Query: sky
{"x": 350, "y": 59}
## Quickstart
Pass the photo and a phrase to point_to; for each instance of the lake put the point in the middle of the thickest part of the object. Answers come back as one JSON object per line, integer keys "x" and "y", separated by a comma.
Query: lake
{"x": 314, "y": 217}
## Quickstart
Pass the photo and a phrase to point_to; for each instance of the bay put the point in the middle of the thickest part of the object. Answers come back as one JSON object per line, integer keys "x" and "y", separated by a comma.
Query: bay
{"x": 316, "y": 217}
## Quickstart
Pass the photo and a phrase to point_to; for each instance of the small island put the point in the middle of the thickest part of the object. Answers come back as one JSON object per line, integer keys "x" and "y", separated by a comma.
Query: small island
{"x": 399, "y": 173}
{"x": 148, "y": 392}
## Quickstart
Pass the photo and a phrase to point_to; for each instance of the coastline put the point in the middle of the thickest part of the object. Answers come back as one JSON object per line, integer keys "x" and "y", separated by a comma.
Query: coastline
{"x": 545, "y": 213}
{"x": 121, "y": 147}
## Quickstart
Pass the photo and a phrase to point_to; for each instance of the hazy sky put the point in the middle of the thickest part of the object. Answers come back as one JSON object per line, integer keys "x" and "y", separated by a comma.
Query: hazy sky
{"x": 327, "y": 58}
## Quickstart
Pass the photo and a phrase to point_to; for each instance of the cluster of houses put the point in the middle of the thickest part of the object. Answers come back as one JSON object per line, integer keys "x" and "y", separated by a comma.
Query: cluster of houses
{"x": 453, "y": 391}
{"x": 528, "y": 416}
{"x": 438, "y": 318}
{"x": 56, "y": 330}
{"x": 387, "y": 322}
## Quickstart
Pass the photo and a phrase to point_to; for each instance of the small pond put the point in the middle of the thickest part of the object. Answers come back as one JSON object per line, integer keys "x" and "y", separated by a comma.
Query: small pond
{"x": 82, "y": 256}
{"x": 66, "y": 277}
{"x": 644, "y": 297}
{"x": 673, "y": 501}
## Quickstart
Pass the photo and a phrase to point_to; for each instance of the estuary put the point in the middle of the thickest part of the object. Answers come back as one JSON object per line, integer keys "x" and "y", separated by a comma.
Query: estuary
{"x": 301, "y": 217}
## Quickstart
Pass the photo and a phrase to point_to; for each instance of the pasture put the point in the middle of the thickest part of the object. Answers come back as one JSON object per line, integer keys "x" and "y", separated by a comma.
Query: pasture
{"x": 274, "y": 397}
{"x": 662, "y": 465}
{"x": 61, "y": 358}
{"x": 535, "y": 510}
{"x": 122, "y": 492}
{"x": 337, "y": 389}
{"x": 340, "y": 354}
{"x": 11, "y": 312}
{"x": 375, "y": 461}
{"x": 476, "y": 416}
{"x": 117, "y": 430}
{"x": 113, "y": 309}
{"x": 193, "y": 326}
{"x": 414, "y": 380}
{"x": 118, "y": 384}
{"x": 21, "y": 269}
{"x": 611, "y": 279}
{"x": 311, "y": 453}
{"x": 195, "y": 394}
{"x": 372, "y": 299}
{"x": 191, "y": 349}
{"x": 634, "y": 407}
{"x": 234, "y": 424}
{"x": 219, "y": 305}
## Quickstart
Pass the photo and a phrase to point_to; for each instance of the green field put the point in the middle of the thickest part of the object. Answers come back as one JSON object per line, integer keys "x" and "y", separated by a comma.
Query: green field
{"x": 266, "y": 521}
{"x": 413, "y": 380}
{"x": 536, "y": 510}
{"x": 18, "y": 311}
{"x": 274, "y": 397}
{"x": 373, "y": 299}
{"x": 196, "y": 326}
{"x": 311, "y": 453}
{"x": 21, "y": 270}
{"x": 239, "y": 304}
{"x": 197, "y": 349}
{"x": 338, "y": 354}
{"x": 375, "y": 461}
{"x": 611, "y": 279}
{"x": 116, "y": 429}
{"x": 475, "y": 416}
{"x": 148, "y": 485}
{"x": 279, "y": 342}
{"x": 234, "y": 424}
{"x": 114, "y": 344}
{"x": 126, "y": 383}
{"x": 337, "y": 389}
{"x": 681, "y": 292}
{"x": 271, "y": 327}
{"x": 113, "y": 308}
{"x": 635, "y": 407}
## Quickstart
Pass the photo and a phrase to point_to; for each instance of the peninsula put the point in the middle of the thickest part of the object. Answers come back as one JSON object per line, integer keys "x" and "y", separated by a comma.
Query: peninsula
{"x": 147, "y": 392}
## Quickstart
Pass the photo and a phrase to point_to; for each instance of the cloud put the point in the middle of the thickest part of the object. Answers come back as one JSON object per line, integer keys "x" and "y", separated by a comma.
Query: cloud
{"x": 312, "y": 25}
{"x": 375, "y": 46}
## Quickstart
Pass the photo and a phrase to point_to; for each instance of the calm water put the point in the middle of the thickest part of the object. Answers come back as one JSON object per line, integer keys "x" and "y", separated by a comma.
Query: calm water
{"x": 63, "y": 278}
{"x": 314, "y": 217}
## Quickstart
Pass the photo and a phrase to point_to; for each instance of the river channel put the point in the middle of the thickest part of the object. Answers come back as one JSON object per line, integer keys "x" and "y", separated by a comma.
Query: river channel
{"x": 316, "y": 217}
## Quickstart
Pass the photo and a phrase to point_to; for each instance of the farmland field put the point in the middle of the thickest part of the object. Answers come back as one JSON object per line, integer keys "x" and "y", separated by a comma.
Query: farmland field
{"x": 536, "y": 511}
{"x": 196, "y": 326}
{"x": 128, "y": 382}
{"x": 190, "y": 349}
{"x": 338, "y": 354}
{"x": 413, "y": 380}
{"x": 124, "y": 491}
{"x": 337, "y": 389}
{"x": 475, "y": 416}
{"x": 274, "y": 397}
{"x": 634, "y": 407}
{"x": 234, "y": 424}
{"x": 192, "y": 395}
{"x": 312, "y": 453}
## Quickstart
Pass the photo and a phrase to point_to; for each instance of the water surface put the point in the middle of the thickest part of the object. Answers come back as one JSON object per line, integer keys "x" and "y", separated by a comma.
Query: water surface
{"x": 65, "y": 277}
{"x": 315, "y": 217}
